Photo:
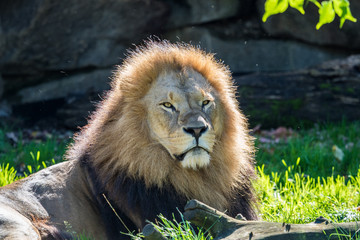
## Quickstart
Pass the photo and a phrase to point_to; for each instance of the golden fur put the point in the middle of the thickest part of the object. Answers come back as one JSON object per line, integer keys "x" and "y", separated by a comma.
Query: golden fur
{"x": 120, "y": 138}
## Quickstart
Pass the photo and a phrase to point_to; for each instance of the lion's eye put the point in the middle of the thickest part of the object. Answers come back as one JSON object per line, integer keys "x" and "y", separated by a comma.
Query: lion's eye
{"x": 167, "y": 105}
{"x": 206, "y": 102}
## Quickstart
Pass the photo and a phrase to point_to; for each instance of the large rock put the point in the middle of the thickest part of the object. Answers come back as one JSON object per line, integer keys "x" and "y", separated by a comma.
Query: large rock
{"x": 73, "y": 114}
{"x": 189, "y": 12}
{"x": 328, "y": 92}
{"x": 45, "y": 35}
{"x": 295, "y": 25}
{"x": 56, "y": 55}
{"x": 1, "y": 87}
{"x": 67, "y": 87}
{"x": 256, "y": 55}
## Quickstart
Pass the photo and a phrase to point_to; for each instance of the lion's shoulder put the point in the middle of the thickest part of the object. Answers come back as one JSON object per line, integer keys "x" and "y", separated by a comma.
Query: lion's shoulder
{"x": 56, "y": 195}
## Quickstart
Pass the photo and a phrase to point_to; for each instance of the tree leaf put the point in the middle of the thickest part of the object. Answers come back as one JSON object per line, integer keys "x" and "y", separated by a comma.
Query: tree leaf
{"x": 273, "y": 7}
{"x": 327, "y": 14}
{"x": 342, "y": 9}
{"x": 298, "y": 5}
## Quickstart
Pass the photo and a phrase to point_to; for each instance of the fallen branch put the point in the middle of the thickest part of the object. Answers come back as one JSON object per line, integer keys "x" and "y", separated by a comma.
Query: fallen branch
{"x": 151, "y": 233}
{"x": 224, "y": 227}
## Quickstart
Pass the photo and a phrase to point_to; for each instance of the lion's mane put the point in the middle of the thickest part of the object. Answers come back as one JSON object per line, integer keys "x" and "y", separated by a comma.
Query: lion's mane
{"x": 134, "y": 171}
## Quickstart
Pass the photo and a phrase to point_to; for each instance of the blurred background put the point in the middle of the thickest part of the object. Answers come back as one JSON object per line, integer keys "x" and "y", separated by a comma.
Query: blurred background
{"x": 57, "y": 57}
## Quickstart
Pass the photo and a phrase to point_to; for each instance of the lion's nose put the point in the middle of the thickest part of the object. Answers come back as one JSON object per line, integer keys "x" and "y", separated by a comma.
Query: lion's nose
{"x": 196, "y": 132}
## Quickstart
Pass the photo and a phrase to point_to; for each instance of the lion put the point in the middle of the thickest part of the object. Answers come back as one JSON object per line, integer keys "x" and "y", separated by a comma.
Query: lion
{"x": 168, "y": 131}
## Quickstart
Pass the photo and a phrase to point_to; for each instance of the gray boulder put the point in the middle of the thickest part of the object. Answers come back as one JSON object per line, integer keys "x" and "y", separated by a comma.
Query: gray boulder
{"x": 1, "y": 86}
{"x": 45, "y": 35}
{"x": 190, "y": 12}
{"x": 67, "y": 87}
{"x": 256, "y": 55}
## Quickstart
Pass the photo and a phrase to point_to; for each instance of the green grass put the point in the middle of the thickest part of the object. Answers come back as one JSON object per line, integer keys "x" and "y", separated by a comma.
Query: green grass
{"x": 342, "y": 234}
{"x": 175, "y": 230}
{"x": 22, "y": 157}
{"x": 314, "y": 147}
{"x": 16, "y": 152}
{"x": 299, "y": 179}
{"x": 293, "y": 197}
{"x": 7, "y": 174}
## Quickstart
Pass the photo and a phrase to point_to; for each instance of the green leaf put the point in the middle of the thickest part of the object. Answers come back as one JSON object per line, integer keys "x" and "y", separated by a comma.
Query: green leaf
{"x": 273, "y": 7}
{"x": 298, "y": 5}
{"x": 342, "y": 9}
{"x": 327, "y": 14}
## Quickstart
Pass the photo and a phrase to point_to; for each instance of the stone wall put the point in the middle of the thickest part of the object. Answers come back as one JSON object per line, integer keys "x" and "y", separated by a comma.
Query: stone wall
{"x": 64, "y": 52}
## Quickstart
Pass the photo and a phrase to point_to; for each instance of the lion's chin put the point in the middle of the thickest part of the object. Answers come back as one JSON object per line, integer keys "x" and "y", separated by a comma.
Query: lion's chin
{"x": 196, "y": 159}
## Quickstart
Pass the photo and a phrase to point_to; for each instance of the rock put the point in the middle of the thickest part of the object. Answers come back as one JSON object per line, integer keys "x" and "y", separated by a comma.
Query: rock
{"x": 5, "y": 109}
{"x": 188, "y": 12}
{"x": 55, "y": 54}
{"x": 61, "y": 35}
{"x": 1, "y": 87}
{"x": 74, "y": 114}
{"x": 302, "y": 27}
{"x": 65, "y": 102}
{"x": 328, "y": 92}
{"x": 78, "y": 84}
{"x": 70, "y": 113}
{"x": 256, "y": 55}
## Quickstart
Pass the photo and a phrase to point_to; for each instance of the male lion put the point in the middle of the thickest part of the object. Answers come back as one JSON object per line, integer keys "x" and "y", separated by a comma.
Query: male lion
{"x": 168, "y": 131}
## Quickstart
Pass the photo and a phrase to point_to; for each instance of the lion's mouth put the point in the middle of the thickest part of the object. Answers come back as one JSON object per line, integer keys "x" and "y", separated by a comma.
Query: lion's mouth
{"x": 181, "y": 157}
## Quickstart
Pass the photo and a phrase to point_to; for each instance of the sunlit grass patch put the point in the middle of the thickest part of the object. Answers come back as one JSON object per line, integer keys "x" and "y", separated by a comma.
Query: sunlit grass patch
{"x": 24, "y": 153}
{"x": 177, "y": 230}
{"x": 15, "y": 147}
{"x": 7, "y": 174}
{"x": 294, "y": 197}
{"x": 315, "y": 148}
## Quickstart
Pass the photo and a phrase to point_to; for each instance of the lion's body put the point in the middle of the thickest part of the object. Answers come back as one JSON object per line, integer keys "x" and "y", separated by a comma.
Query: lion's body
{"x": 58, "y": 194}
{"x": 168, "y": 131}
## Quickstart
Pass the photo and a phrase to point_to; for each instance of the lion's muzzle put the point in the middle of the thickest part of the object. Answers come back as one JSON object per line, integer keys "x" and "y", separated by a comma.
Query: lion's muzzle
{"x": 196, "y": 132}
{"x": 196, "y": 125}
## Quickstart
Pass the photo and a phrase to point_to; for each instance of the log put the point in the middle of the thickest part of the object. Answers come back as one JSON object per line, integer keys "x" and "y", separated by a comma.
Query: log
{"x": 151, "y": 233}
{"x": 224, "y": 227}
{"x": 328, "y": 92}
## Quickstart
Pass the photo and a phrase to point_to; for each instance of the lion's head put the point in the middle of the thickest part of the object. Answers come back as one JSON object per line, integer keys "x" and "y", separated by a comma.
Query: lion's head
{"x": 172, "y": 118}
{"x": 183, "y": 116}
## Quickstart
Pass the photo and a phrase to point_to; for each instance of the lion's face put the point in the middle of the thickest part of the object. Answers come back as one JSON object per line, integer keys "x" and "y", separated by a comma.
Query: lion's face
{"x": 182, "y": 116}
